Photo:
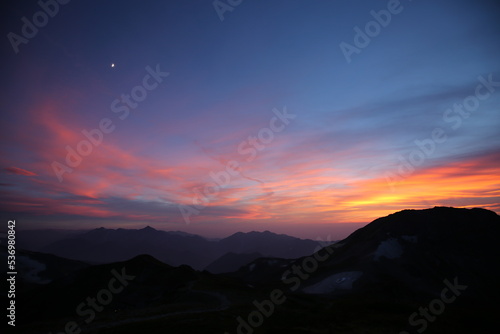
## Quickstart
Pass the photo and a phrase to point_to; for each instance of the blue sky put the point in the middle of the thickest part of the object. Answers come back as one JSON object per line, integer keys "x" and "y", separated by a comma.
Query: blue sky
{"x": 337, "y": 159}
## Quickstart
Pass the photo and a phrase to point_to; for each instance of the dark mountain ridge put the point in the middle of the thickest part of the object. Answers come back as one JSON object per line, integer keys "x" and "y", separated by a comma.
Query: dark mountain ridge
{"x": 400, "y": 248}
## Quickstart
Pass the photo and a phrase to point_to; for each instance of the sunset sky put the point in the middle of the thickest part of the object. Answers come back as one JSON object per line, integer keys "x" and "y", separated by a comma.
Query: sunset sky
{"x": 173, "y": 97}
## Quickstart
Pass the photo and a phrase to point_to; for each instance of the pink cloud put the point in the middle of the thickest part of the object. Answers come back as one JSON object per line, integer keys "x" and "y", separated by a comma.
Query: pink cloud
{"x": 19, "y": 171}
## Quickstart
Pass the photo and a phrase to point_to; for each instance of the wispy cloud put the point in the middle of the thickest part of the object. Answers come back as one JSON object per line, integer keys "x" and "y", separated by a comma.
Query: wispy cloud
{"x": 19, "y": 171}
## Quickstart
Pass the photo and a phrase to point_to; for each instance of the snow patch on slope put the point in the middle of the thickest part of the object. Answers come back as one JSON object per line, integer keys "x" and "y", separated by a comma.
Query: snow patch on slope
{"x": 390, "y": 248}
{"x": 339, "y": 281}
{"x": 30, "y": 270}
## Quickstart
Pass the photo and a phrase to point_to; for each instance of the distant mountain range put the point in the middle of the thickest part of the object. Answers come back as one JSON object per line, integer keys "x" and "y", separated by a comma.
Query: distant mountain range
{"x": 176, "y": 248}
{"x": 431, "y": 270}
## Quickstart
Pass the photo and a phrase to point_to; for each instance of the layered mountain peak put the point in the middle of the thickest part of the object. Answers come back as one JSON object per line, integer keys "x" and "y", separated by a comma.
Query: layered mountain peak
{"x": 400, "y": 247}
{"x": 443, "y": 224}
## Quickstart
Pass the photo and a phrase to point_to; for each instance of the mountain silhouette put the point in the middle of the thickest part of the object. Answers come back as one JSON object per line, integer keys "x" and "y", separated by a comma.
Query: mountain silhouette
{"x": 380, "y": 279}
{"x": 400, "y": 248}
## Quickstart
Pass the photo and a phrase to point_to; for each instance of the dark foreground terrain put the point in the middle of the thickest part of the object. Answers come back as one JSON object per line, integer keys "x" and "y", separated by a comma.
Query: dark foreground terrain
{"x": 415, "y": 271}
